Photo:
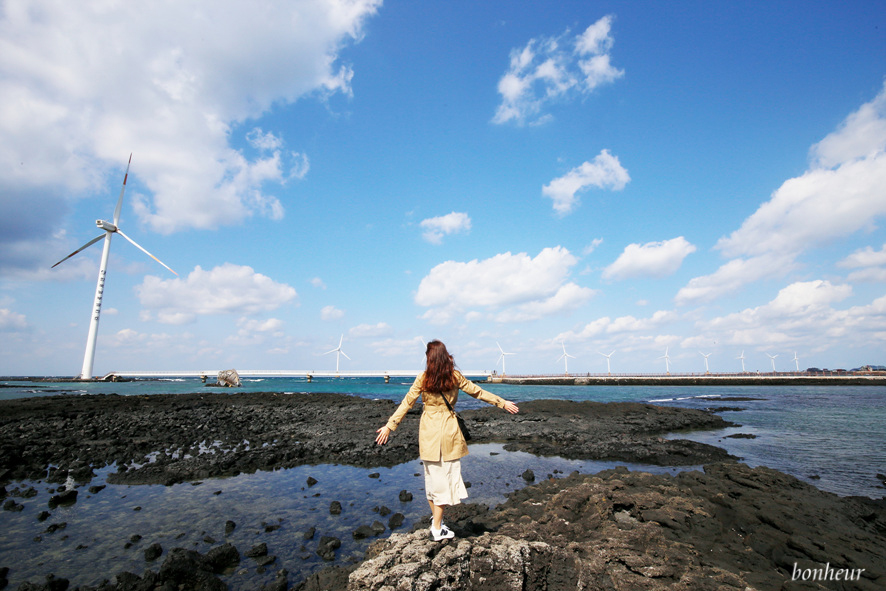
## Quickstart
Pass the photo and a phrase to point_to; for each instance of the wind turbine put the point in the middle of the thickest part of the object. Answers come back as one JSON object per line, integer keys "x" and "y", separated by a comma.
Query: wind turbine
{"x": 742, "y": 361}
{"x": 338, "y": 353}
{"x": 502, "y": 359}
{"x": 706, "y": 370}
{"x": 796, "y": 360}
{"x": 608, "y": 370}
{"x": 772, "y": 359}
{"x": 565, "y": 357}
{"x": 110, "y": 228}
{"x": 667, "y": 361}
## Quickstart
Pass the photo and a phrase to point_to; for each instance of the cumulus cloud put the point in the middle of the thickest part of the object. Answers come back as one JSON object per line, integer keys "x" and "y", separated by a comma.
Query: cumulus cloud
{"x": 869, "y": 265}
{"x": 317, "y": 282}
{"x": 331, "y": 313}
{"x": 370, "y": 330}
{"x": 550, "y": 69}
{"x": 653, "y": 259}
{"x": 227, "y": 289}
{"x": 451, "y": 223}
{"x": 86, "y": 83}
{"x": 841, "y": 193}
{"x": 532, "y": 287}
{"x": 11, "y": 321}
{"x": 413, "y": 348}
{"x": 605, "y": 172}
{"x": 802, "y": 312}
{"x": 606, "y": 326}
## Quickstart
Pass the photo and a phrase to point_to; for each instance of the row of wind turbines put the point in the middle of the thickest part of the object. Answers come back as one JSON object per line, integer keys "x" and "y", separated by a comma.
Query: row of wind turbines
{"x": 111, "y": 228}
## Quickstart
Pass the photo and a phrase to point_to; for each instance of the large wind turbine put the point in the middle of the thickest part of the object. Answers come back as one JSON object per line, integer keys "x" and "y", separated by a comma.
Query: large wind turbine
{"x": 608, "y": 370}
{"x": 706, "y": 370}
{"x": 338, "y": 353}
{"x": 796, "y": 360}
{"x": 742, "y": 361}
{"x": 667, "y": 361}
{"x": 110, "y": 228}
{"x": 565, "y": 357}
{"x": 502, "y": 359}
{"x": 772, "y": 359}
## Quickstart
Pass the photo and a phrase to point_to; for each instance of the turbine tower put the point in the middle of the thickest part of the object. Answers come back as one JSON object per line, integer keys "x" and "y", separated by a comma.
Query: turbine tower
{"x": 667, "y": 361}
{"x": 608, "y": 370}
{"x": 502, "y": 359}
{"x": 565, "y": 357}
{"x": 110, "y": 228}
{"x": 706, "y": 370}
{"x": 796, "y": 360}
{"x": 742, "y": 362}
{"x": 772, "y": 359}
{"x": 338, "y": 353}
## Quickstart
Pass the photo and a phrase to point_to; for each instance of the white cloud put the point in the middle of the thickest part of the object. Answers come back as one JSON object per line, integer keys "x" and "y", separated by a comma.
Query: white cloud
{"x": 653, "y": 259}
{"x": 227, "y": 289}
{"x": 606, "y": 325}
{"x": 263, "y": 141}
{"x": 451, "y": 223}
{"x": 331, "y": 313}
{"x": 405, "y": 348}
{"x": 11, "y": 321}
{"x": 841, "y": 193}
{"x": 866, "y": 257}
{"x": 317, "y": 282}
{"x": 800, "y": 314}
{"x": 550, "y": 69}
{"x": 569, "y": 297}
{"x": 86, "y": 83}
{"x": 592, "y": 246}
{"x": 370, "y": 330}
{"x": 732, "y": 276}
{"x": 534, "y": 286}
{"x": 604, "y": 172}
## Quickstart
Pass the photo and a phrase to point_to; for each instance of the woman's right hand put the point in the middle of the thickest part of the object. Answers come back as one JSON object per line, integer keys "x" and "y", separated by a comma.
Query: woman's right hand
{"x": 383, "y": 435}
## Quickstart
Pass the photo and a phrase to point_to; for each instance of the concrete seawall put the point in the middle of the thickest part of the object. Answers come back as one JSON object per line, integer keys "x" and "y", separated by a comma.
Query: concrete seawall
{"x": 695, "y": 380}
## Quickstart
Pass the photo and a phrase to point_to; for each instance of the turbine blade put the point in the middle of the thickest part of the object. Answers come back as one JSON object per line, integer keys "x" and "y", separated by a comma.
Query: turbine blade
{"x": 82, "y": 248}
{"x": 120, "y": 200}
{"x": 328, "y": 352}
{"x": 134, "y": 243}
{"x": 346, "y": 355}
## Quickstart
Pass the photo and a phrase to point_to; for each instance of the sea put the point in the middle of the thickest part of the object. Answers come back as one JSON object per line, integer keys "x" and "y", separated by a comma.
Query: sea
{"x": 833, "y": 437}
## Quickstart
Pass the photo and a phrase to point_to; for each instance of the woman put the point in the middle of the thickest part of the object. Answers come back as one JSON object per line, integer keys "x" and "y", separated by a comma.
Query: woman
{"x": 440, "y": 442}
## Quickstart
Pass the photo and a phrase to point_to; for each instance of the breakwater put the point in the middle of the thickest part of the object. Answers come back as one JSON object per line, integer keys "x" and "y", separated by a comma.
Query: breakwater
{"x": 867, "y": 379}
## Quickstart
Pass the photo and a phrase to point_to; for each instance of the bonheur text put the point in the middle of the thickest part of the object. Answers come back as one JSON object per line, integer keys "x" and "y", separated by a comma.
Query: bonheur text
{"x": 826, "y": 573}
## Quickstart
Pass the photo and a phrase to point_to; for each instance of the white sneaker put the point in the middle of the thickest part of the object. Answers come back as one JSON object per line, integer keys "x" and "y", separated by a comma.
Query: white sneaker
{"x": 444, "y": 533}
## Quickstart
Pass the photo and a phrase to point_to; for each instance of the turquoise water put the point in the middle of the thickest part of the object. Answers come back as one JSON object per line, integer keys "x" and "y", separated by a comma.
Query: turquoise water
{"x": 832, "y": 437}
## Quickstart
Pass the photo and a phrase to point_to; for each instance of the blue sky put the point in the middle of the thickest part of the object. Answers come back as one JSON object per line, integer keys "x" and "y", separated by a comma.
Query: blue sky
{"x": 634, "y": 177}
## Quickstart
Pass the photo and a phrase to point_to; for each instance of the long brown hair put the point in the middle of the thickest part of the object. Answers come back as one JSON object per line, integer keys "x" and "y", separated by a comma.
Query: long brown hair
{"x": 440, "y": 370}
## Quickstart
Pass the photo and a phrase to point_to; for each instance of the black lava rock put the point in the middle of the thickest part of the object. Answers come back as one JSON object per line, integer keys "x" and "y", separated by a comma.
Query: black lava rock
{"x": 153, "y": 552}
{"x": 405, "y": 496}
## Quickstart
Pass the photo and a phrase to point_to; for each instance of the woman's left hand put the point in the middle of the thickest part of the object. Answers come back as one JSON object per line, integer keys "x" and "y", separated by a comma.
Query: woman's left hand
{"x": 511, "y": 407}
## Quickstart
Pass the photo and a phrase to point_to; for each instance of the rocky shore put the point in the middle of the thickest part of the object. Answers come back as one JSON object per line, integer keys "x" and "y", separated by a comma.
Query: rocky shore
{"x": 167, "y": 439}
{"x": 730, "y": 527}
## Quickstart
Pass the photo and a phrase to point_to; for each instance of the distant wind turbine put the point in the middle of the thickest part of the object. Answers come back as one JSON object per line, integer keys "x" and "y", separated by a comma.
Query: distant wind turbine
{"x": 706, "y": 370}
{"x": 338, "y": 353}
{"x": 110, "y": 228}
{"x": 796, "y": 360}
{"x": 667, "y": 361}
{"x": 502, "y": 359}
{"x": 608, "y": 370}
{"x": 772, "y": 359}
{"x": 565, "y": 357}
{"x": 742, "y": 361}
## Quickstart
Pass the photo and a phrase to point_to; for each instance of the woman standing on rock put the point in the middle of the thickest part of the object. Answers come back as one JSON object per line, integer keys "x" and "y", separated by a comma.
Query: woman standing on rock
{"x": 440, "y": 441}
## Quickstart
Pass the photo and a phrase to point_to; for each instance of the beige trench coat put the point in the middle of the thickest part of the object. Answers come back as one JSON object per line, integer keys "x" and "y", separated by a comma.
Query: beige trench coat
{"x": 438, "y": 434}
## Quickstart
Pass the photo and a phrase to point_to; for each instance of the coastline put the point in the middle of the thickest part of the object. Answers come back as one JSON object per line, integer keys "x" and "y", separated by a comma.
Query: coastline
{"x": 156, "y": 439}
{"x": 695, "y": 380}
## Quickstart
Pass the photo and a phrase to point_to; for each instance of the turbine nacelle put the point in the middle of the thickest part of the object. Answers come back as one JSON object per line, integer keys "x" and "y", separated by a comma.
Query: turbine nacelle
{"x": 107, "y": 226}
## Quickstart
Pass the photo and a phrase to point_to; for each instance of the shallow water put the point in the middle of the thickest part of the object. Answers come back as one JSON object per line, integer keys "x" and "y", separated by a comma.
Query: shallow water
{"x": 92, "y": 545}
